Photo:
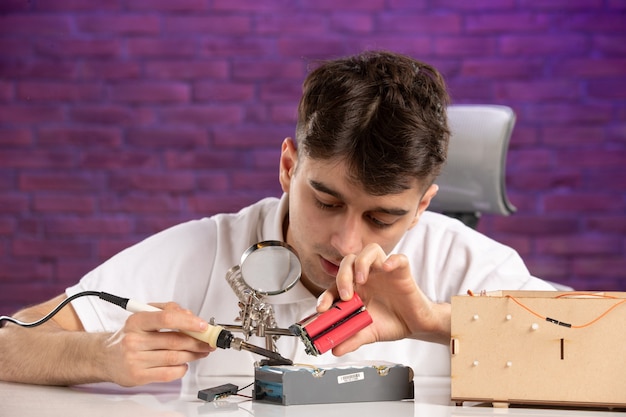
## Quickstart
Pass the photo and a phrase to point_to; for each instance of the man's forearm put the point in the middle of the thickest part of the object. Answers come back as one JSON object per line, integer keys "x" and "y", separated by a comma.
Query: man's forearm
{"x": 50, "y": 355}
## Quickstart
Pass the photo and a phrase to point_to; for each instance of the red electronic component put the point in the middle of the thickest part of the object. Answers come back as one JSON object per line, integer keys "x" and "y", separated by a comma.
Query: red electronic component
{"x": 320, "y": 332}
{"x": 334, "y": 336}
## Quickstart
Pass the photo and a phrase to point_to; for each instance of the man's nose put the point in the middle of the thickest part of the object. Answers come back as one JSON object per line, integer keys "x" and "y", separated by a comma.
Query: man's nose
{"x": 348, "y": 236}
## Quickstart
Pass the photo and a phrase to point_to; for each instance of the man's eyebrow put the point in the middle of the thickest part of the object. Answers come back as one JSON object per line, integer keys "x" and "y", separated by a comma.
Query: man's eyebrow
{"x": 324, "y": 189}
{"x": 392, "y": 211}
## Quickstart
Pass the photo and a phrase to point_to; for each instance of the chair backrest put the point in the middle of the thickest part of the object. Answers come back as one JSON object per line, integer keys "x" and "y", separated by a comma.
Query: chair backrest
{"x": 473, "y": 180}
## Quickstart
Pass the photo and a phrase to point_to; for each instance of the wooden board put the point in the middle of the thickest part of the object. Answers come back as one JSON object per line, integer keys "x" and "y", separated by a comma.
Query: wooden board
{"x": 502, "y": 352}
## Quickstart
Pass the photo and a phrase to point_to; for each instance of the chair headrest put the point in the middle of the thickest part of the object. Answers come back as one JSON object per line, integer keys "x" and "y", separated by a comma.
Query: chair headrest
{"x": 473, "y": 179}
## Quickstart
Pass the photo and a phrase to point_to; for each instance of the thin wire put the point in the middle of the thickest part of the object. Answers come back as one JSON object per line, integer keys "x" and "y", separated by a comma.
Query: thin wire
{"x": 519, "y": 303}
{"x": 568, "y": 294}
{"x": 604, "y": 314}
{"x": 247, "y": 386}
{"x": 49, "y": 315}
{"x": 243, "y": 388}
{"x": 601, "y": 315}
{"x": 586, "y": 294}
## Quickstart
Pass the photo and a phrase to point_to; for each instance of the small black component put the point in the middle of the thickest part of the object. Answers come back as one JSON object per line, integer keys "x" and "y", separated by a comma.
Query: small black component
{"x": 215, "y": 393}
{"x": 275, "y": 362}
{"x": 560, "y": 323}
{"x": 224, "y": 339}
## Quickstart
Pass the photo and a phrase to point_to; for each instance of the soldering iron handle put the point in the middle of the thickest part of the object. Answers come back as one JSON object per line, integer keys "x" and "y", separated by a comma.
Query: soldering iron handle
{"x": 210, "y": 335}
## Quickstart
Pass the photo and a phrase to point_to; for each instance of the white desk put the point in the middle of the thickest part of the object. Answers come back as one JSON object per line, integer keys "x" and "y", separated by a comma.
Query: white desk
{"x": 431, "y": 400}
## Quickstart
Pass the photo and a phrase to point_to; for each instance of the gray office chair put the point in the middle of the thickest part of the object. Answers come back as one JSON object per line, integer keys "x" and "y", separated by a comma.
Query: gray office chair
{"x": 473, "y": 180}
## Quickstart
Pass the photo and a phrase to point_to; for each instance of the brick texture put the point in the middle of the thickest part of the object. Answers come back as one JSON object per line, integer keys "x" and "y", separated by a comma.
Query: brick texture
{"x": 119, "y": 119}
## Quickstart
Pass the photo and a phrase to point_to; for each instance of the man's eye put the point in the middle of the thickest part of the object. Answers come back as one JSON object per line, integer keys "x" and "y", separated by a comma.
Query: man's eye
{"x": 324, "y": 206}
{"x": 379, "y": 224}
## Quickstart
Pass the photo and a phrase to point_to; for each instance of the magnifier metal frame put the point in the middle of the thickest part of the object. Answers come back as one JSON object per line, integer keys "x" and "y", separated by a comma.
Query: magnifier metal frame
{"x": 256, "y": 313}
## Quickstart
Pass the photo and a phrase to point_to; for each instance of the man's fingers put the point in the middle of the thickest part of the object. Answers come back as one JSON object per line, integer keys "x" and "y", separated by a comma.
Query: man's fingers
{"x": 142, "y": 357}
{"x": 166, "y": 374}
{"x": 345, "y": 278}
{"x": 152, "y": 347}
{"x": 167, "y": 358}
{"x": 173, "y": 340}
{"x": 326, "y": 299}
{"x": 394, "y": 262}
{"x": 371, "y": 257}
{"x": 142, "y": 376}
{"x": 356, "y": 269}
{"x": 169, "y": 318}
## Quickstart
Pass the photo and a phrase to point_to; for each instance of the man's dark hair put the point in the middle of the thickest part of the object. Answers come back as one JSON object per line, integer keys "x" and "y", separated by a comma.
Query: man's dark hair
{"x": 382, "y": 112}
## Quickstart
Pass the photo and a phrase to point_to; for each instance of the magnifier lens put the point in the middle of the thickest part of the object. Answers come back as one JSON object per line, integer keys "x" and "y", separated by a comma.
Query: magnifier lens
{"x": 270, "y": 267}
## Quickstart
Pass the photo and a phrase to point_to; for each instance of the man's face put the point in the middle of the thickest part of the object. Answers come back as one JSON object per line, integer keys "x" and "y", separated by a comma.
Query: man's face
{"x": 331, "y": 216}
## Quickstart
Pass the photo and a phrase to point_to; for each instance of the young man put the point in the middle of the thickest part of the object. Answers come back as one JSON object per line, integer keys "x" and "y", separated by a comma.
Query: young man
{"x": 371, "y": 138}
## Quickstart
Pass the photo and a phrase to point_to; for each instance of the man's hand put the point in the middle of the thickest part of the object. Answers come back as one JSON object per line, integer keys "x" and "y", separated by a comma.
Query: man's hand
{"x": 141, "y": 352}
{"x": 398, "y": 307}
{"x": 61, "y": 352}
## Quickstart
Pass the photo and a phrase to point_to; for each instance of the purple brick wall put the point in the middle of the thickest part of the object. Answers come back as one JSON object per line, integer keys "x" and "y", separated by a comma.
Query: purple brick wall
{"x": 120, "y": 118}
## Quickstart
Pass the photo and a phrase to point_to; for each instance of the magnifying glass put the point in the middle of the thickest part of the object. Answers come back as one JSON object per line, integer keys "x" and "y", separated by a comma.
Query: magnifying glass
{"x": 266, "y": 268}
{"x": 270, "y": 267}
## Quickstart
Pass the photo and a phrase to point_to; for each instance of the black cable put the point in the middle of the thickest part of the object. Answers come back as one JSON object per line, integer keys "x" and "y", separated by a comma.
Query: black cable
{"x": 102, "y": 295}
{"x": 243, "y": 388}
{"x": 247, "y": 386}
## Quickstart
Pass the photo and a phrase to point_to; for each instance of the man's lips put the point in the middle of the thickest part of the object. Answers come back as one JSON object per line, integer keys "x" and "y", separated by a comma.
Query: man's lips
{"x": 329, "y": 267}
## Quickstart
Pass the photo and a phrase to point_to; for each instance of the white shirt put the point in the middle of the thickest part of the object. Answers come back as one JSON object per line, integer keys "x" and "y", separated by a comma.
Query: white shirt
{"x": 188, "y": 263}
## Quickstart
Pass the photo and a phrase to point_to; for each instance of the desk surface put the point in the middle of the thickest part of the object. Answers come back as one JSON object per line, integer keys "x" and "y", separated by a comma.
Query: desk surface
{"x": 432, "y": 399}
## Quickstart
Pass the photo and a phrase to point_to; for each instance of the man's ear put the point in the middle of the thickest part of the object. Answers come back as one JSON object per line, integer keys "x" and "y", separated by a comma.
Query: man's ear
{"x": 288, "y": 161}
{"x": 430, "y": 193}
